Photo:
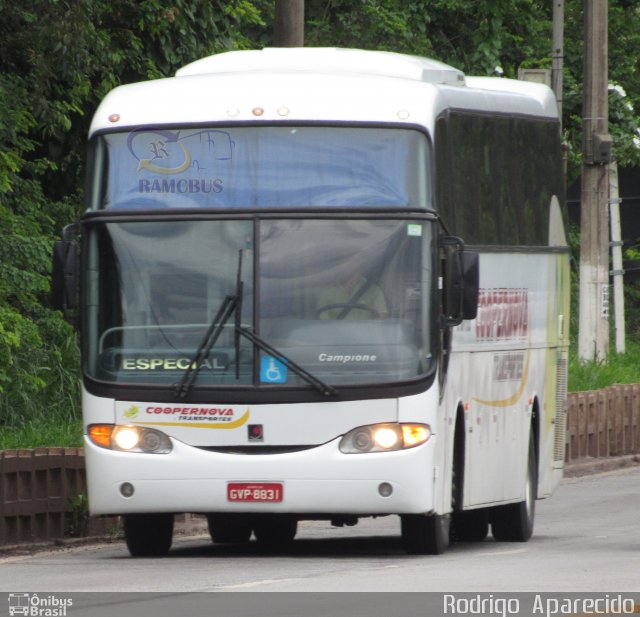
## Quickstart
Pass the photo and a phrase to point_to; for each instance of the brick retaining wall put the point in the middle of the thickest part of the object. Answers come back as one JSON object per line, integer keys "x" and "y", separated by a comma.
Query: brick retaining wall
{"x": 604, "y": 423}
{"x": 42, "y": 495}
{"x": 43, "y": 491}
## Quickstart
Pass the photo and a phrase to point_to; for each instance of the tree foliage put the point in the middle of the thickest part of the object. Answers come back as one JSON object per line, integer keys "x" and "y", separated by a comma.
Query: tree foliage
{"x": 624, "y": 79}
{"x": 58, "y": 58}
{"x": 474, "y": 35}
{"x": 488, "y": 37}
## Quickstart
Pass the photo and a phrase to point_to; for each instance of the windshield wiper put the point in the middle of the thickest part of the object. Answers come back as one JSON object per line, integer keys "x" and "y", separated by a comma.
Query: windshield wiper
{"x": 230, "y": 305}
{"x": 212, "y": 334}
{"x": 259, "y": 342}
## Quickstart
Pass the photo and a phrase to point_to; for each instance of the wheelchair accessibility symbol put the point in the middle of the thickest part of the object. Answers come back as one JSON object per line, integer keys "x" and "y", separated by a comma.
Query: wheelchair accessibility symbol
{"x": 272, "y": 370}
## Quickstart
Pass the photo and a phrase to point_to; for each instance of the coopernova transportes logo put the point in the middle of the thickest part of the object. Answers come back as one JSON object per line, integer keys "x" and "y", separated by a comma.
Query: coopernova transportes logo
{"x": 132, "y": 411}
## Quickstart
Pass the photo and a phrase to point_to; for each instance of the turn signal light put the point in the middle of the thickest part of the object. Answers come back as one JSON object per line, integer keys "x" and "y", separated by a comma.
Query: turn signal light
{"x": 100, "y": 434}
{"x": 415, "y": 434}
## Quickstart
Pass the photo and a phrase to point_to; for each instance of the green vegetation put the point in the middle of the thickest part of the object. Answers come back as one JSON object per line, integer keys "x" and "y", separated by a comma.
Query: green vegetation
{"x": 621, "y": 369}
{"x": 58, "y": 58}
{"x": 60, "y": 430}
{"x": 77, "y": 523}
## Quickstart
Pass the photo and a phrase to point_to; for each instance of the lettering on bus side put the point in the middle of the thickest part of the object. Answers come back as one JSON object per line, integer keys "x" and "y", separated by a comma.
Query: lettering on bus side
{"x": 508, "y": 366}
{"x": 503, "y": 314}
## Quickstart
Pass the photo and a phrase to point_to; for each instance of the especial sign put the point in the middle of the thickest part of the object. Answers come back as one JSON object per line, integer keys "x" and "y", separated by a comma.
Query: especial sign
{"x": 215, "y": 362}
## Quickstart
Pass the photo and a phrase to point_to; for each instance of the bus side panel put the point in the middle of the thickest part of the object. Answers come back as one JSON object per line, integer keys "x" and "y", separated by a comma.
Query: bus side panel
{"x": 501, "y": 373}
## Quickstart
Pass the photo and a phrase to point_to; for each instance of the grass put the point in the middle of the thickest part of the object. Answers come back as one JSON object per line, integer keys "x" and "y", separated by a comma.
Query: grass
{"x": 620, "y": 369}
{"x": 40, "y": 404}
{"x": 50, "y": 433}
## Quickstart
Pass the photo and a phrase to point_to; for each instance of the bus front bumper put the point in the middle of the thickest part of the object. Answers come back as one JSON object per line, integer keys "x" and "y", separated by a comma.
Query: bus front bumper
{"x": 320, "y": 480}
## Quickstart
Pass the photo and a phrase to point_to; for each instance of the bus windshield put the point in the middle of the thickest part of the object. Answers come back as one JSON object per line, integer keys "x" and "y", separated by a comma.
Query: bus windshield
{"x": 261, "y": 167}
{"x": 348, "y": 300}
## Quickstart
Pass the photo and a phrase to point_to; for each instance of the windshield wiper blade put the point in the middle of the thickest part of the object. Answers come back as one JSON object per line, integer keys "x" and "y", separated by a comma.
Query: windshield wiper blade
{"x": 259, "y": 342}
{"x": 231, "y": 305}
{"x": 212, "y": 334}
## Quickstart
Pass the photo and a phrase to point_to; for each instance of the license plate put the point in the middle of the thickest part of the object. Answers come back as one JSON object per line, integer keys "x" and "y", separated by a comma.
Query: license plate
{"x": 255, "y": 491}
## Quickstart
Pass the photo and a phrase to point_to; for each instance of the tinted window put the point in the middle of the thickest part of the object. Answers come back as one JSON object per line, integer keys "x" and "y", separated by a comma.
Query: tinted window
{"x": 496, "y": 177}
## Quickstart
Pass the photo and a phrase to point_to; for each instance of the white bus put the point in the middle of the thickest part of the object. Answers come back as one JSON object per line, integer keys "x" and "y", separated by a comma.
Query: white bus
{"x": 322, "y": 284}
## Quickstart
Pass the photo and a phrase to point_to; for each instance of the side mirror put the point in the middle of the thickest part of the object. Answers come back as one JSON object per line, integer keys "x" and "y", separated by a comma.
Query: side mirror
{"x": 460, "y": 281}
{"x": 470, "y": 284}
{"x": 64, "y": 274}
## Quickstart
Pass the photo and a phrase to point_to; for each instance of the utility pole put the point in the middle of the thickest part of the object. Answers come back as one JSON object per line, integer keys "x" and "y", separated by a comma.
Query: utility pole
{"x": 557, "y": 55}
{"x": 593, "y": 339}
{"x": 617, "y": 271}
{"x": 289, "y": 23}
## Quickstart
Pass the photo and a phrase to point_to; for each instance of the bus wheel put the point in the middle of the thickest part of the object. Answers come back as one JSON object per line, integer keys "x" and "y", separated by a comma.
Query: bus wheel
{"x": 148, "y": 535}
{"x": 229, "y": 528}
{"x": 275, "y": 531}
{"x": 425, "y": 534}
{"x": 514, "y": 523}
{"x": 470, "y": 526}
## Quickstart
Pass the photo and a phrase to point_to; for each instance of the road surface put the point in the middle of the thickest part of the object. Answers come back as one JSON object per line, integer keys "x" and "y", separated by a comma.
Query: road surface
{"x": 587, "y": 539}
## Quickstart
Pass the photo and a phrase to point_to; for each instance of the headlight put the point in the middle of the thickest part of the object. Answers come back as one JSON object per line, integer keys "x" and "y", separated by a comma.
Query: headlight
{"x": 384, "y": 438}
{"x": 129, "y": 438}
{"x": 125, "y": 438}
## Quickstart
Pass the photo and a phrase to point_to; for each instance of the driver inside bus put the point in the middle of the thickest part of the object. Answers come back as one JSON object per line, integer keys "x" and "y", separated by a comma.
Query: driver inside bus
{"x": 353, "y": 298}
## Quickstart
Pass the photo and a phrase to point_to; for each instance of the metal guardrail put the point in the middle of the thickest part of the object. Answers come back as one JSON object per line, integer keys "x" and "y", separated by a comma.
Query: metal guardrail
{"x": 43, "y": 491}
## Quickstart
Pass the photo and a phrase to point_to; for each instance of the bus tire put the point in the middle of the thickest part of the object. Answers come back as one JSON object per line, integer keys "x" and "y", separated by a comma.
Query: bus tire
{"x": 275, "y": 531}
{"x": 229, "y": 528}
{"x": 470, "y": 526}
{"x": 424, "y": 534}
{"x": 148, "y": 535}
{"x": 514, "y": 522}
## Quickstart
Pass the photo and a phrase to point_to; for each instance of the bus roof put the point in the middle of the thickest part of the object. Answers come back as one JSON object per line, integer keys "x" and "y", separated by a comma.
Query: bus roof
{"x": 331, "y": 60}
{"x": 317, "y": 85}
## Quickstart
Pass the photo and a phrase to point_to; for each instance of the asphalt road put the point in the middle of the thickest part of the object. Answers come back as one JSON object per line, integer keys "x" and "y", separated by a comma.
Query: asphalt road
{"x": 587, "y": 539}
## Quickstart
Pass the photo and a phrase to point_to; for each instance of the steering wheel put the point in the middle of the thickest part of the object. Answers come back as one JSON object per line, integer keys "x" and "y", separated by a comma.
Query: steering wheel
{"x": 347, "y": 305}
